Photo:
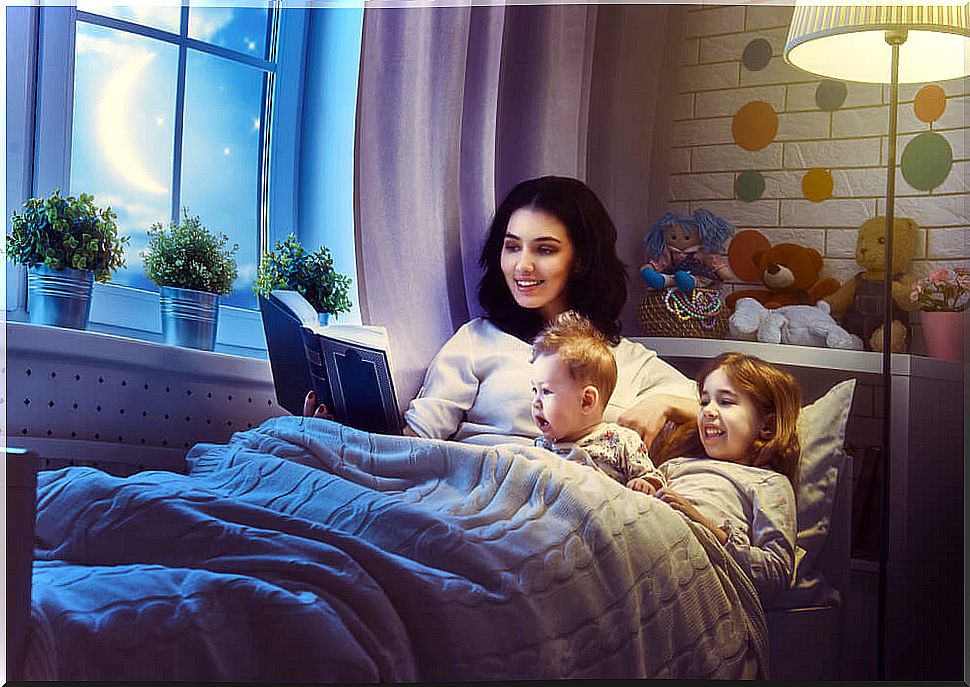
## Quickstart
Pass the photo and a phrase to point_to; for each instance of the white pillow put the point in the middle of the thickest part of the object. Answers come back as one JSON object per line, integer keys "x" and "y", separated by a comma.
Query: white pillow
{"x": 821, "y": 432}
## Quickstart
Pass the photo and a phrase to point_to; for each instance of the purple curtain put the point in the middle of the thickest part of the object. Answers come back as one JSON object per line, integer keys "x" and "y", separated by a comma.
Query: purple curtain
{"x": 458, "y": 104}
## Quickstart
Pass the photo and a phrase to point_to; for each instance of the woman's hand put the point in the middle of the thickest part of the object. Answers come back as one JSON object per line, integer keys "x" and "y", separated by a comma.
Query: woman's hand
{"x": 312, "y": 409}
{"x": 650, "y": 415}
{"x": 679, "y": 503}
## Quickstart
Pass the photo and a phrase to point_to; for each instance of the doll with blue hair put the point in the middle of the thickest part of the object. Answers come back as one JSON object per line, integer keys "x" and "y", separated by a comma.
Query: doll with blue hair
{"x": 685, "y": 251}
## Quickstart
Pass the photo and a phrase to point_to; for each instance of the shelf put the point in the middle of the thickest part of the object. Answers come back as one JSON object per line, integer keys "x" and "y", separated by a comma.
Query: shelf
{"x": 867, "y": 362}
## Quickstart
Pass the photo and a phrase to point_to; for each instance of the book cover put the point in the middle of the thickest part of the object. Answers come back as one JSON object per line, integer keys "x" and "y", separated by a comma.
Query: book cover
{"x": 348, "y": 366}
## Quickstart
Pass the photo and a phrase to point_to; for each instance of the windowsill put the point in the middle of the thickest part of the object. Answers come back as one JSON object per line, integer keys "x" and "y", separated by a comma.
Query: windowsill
{"x": 104, "y": 347}
{"x": 126, "y": 313}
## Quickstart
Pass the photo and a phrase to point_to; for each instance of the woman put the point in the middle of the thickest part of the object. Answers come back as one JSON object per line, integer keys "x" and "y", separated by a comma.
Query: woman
{"x": 551, "y": 247}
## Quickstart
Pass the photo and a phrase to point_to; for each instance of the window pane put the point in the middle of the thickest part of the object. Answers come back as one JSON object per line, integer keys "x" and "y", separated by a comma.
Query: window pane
{"x": 121, "y": 152}
{"x": 164, "y": 18}
{"x": 220, "y": 157}
{"x": 237, "y": 28}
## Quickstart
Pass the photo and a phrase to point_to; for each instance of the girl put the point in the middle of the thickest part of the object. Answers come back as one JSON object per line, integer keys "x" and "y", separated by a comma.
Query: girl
{"x": 734, "y": 470}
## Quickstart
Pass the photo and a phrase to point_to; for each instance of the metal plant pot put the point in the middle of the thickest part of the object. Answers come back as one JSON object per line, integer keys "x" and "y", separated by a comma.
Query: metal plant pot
{"x": 189, "y": 318}
{"x": 59, "y": 297}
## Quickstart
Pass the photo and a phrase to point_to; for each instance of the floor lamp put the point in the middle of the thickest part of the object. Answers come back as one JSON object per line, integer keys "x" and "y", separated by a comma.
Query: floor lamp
{"x": 886, "y": 43}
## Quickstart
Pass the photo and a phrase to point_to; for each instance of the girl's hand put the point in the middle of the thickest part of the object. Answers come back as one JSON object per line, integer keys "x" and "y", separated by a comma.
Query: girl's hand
{"x": 678, "y": 502}
{"x": 312, "y": 409}
{"x": 640, "y": 484}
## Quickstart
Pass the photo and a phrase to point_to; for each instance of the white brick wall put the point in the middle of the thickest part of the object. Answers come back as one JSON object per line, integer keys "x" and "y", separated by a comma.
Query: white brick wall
{"x": 850, "y": 141}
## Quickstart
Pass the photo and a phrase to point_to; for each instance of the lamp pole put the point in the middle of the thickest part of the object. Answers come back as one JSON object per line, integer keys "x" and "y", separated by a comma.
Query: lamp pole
{"x": 895, "y": 38}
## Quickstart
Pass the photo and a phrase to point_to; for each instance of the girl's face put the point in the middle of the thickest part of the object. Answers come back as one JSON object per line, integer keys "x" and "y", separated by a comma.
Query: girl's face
{"x": 537, "y": 260}
{"x": 558, "y": 406}
{"x": 729, "y": 421}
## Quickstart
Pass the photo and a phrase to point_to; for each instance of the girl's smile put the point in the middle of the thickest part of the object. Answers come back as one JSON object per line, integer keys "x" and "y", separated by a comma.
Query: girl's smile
{"x": 728, "y": 421}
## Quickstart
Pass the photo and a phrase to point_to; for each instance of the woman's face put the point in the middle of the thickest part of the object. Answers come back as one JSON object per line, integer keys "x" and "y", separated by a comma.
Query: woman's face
{"x": 537, "y": 260}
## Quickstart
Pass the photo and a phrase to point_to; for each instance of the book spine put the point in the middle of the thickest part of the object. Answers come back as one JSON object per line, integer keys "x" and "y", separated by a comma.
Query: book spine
{"x": 318, "y": 371}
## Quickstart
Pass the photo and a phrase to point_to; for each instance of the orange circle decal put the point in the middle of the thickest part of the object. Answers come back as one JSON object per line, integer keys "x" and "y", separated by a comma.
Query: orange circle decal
{"x": 817, "y": 185}
{"x": 755, "y": 125}
{"x": 929, "y": 103}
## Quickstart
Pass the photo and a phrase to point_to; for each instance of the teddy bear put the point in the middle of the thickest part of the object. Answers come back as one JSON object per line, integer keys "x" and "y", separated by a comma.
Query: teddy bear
{"x": 859, "y": 303}
{"x": 801, "y": 325}
{"x": 790, "y": 272}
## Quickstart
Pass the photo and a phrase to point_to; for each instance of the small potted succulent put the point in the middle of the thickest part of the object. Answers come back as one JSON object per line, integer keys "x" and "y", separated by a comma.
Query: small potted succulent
{"x": 289, "y": 266}
{"x": 192, "y": 267}
{"x": 66, "y": 244}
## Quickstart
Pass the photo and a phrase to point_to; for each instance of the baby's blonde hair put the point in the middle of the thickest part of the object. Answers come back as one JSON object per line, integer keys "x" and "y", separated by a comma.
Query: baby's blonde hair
{"x": 583, "y": 348}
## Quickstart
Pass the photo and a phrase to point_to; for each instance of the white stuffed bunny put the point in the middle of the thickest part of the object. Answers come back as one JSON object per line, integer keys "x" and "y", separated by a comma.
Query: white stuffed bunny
{"x": 801, "y": 325}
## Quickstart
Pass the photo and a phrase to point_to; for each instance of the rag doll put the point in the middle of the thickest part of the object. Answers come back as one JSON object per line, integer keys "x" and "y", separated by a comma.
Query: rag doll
{"x": 685, "y": 251}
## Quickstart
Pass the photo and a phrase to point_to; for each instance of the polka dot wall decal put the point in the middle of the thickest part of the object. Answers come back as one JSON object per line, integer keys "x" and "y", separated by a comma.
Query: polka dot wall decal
{"x": 929, "y": 103}
{"x": 829, "y": 95}
{"x": 756, "y": 55}
{"x": 755, "y": 125}
{"x": 817, "y": 185}
{"x": 749, "y": 185}
{"x": 926, "y": 161}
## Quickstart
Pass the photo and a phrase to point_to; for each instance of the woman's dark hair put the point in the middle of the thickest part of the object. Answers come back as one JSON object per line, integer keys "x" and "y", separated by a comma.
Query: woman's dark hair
{"x": 598, "y": 287}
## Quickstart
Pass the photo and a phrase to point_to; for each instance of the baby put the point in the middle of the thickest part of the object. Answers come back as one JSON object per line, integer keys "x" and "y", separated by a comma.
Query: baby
{"x": 573, "y": 376}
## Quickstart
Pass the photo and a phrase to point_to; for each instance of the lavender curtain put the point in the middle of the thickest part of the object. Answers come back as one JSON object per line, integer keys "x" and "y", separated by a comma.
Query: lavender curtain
{"x": 455, "y": 106}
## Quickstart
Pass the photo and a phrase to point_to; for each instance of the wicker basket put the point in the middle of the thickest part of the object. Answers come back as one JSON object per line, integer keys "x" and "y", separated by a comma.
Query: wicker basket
{"x": 701, "y": 314}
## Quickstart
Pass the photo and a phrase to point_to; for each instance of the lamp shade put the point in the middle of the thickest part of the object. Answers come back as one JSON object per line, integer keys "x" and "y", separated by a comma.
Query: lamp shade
{"x": 847, "y": 42}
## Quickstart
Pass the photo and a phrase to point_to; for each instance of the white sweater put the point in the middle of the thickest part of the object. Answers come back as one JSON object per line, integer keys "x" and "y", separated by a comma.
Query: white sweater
{"x": 758, "y": 503}
{"x": 478, "y": 390}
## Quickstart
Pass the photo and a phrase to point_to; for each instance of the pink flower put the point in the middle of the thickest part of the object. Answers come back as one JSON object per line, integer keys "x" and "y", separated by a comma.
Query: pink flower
{"x": 940, "y": 276}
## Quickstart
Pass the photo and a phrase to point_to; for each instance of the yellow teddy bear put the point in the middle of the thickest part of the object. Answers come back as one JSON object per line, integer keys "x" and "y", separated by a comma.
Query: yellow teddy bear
{"x": 858, "y": 304}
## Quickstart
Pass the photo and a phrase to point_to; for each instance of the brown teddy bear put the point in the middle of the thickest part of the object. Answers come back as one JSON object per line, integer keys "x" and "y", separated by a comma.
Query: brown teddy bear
{"x": 789, "y": 271}
{"x": 858, "y": 303}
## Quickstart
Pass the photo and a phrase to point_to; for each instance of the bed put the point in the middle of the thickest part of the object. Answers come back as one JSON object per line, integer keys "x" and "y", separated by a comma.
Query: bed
{"x": 299, "y": 550}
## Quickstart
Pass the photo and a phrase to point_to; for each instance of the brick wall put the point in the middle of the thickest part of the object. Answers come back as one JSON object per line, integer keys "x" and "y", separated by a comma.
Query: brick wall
{"x": 850, "y": 142}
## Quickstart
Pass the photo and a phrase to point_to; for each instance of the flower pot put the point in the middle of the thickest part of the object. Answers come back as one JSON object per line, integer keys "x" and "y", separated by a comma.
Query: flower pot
{"x": 189, "y": 317}
{"x": 943, "y": 334}
{"x": 59, "y": 297}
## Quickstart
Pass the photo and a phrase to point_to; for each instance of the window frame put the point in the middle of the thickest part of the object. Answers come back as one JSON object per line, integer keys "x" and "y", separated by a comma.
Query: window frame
{"x": 127, "y": 311}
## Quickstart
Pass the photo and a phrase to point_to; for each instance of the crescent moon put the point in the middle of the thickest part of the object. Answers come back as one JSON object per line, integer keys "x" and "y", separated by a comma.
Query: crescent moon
{"x": 114, "y": 130}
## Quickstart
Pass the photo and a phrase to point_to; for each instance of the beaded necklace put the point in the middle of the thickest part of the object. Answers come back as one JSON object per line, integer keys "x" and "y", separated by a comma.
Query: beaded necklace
{"x": 701, "y": 304}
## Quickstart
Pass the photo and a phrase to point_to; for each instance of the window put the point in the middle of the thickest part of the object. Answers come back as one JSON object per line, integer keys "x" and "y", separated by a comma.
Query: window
{"x": 172, "y": 103}
{"x": 151, "y": 109}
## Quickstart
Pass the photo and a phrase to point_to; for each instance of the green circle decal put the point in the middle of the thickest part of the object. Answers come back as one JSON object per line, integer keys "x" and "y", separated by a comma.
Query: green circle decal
{"x": 757, "y": 54}
{"x": 830, "y": 95}
{"x": 926, "y": 161}
{"x": 749, "y": 185}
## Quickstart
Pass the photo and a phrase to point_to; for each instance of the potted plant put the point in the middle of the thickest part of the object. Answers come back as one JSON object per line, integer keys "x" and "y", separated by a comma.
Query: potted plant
{"x": 290, "y": 266}
{"x": 66, "y": 244}
{"x": 193, "y": 267}
{"x": 943, "y": 297}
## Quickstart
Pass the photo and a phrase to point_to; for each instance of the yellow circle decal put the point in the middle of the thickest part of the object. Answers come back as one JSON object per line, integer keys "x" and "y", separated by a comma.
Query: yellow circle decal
{"x": 817, "y": 185}
{"x": 755, "y": 125}
{"x": 929, "y": 103}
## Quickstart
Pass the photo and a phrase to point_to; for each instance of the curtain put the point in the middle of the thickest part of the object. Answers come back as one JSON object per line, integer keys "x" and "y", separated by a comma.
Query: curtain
{"x": 455, "y": 106}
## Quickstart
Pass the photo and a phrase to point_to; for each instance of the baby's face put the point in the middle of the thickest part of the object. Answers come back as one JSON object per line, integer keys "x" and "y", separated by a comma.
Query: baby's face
{"x": 557, "y": 400}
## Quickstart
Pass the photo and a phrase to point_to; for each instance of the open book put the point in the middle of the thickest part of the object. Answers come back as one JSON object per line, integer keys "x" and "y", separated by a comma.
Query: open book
{"x": 348, "y": 366}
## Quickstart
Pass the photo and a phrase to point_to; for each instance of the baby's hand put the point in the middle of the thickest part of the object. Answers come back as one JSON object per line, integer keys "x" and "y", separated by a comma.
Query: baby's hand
{"x": 640, "y": 484}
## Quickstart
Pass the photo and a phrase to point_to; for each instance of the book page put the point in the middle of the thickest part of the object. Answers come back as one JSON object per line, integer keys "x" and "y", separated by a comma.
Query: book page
{"x": 359, "y": 334}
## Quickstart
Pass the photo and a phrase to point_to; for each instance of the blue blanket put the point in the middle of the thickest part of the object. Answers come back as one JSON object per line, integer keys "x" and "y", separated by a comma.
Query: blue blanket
{"x": 307, "y": 551}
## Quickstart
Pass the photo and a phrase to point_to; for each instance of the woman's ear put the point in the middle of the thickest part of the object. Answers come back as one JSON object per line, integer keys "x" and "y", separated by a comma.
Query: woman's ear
{"x": 590, "y": 400}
